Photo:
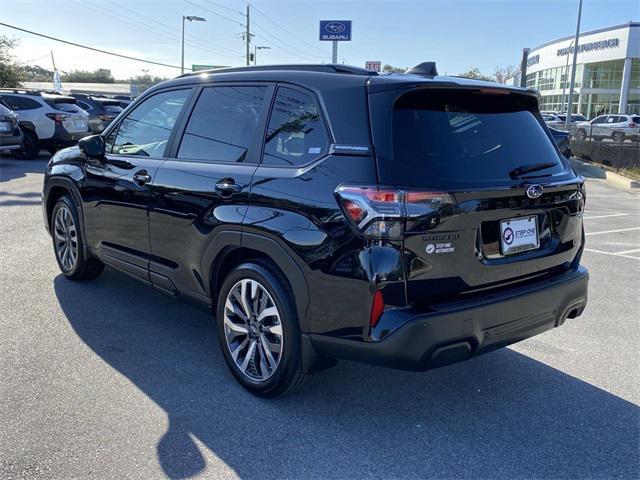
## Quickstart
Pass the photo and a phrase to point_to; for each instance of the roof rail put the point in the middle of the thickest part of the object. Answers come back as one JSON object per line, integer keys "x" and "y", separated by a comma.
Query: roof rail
{"x": 326, "y": 68}
{"x": 24, "y": 91}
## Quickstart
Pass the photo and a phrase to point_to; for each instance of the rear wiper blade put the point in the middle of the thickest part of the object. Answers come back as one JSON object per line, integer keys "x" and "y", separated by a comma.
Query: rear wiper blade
{"x": 518, "y": 172}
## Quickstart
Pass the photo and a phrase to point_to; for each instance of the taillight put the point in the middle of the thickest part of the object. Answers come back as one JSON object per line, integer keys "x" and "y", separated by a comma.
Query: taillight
{"x": 57, "y": 117}
{"x": 633, "y": 125}
{"x": 377, "y": 308}
{"x": 380, "y": 212}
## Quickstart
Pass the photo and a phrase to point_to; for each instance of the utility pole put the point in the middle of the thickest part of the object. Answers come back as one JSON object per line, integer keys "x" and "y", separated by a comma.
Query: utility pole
{"x": 248, "y": 39}
{"x": 573, "y": 69}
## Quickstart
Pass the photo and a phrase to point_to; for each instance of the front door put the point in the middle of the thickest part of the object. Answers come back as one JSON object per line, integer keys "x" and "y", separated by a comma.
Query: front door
{"x": 117, "y": 190}
{"x": 202, "y": 189}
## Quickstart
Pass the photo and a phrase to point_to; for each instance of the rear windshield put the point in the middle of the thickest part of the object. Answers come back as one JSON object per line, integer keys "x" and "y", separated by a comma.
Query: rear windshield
{"x": 461, "y": 139}
{"x": 68, "y": 105}
{"x": 112, "y": 108}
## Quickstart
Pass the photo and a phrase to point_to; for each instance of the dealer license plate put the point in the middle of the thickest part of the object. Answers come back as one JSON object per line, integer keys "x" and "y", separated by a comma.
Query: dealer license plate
{"x": 519, "y": 235}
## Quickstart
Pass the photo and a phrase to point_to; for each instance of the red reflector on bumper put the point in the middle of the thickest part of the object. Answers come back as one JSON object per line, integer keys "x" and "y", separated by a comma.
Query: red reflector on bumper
{"x": 377, "y": 308}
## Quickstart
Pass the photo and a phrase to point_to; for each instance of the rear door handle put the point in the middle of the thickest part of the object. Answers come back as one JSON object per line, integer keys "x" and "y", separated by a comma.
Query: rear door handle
{"x": 141, "y": 177}
{"x": 228, "y": 186}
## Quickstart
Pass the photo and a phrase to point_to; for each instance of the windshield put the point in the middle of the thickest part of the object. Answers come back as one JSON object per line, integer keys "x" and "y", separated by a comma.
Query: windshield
{"x": 458, "y": 139}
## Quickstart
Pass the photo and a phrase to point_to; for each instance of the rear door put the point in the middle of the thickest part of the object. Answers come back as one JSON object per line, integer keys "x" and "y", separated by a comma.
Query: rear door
{"x": 202, "y": 190}
{"x": 117, "y": 193}
{"x": 489, "y": 201}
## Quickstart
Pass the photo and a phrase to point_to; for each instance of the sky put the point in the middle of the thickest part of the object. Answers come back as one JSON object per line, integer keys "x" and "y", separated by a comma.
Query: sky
{"x": 456, "y": 34}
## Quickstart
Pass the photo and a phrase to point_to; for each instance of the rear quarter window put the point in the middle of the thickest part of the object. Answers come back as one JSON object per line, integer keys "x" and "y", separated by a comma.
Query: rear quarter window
{"x": 296, "y": 134}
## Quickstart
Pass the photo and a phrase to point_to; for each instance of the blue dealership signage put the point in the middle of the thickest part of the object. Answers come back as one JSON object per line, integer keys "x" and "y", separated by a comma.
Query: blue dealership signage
{"x": 335, "y": 30}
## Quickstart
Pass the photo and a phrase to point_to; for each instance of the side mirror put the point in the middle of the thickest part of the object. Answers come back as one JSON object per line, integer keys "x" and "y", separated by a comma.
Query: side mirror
{"x": 92, "y": 146}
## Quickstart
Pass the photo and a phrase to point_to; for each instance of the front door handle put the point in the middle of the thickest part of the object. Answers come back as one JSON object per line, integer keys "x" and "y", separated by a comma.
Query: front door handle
{"x": 141, "y": 177}
{"x": 227, "y": 187}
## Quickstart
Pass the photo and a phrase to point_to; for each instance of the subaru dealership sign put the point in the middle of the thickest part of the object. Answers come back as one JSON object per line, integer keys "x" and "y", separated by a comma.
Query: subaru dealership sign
{"x": 335, "y": 30}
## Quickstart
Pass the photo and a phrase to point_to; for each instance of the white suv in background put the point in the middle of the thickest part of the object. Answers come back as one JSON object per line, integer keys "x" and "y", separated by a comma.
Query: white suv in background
{"x": 47, "y": 120}
{"x": 616, "y": 127}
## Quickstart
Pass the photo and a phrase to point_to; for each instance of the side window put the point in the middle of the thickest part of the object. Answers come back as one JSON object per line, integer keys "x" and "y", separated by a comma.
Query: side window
{"x": 599, "y": 119}
{"x": 20, "y": 103}
{"x": 222, "y": 124}
{"x": 296, "y": 134}
{"x": 84, "y": 106}
{"x": 146, "y": 130}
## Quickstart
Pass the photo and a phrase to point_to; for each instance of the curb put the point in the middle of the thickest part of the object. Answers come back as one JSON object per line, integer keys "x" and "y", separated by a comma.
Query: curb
{"x": 622, "y": 181}
{"x": 593, "y": 171}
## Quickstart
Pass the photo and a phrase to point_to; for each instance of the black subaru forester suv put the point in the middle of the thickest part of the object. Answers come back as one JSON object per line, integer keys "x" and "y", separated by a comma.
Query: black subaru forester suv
{"x": 328, "y": 212}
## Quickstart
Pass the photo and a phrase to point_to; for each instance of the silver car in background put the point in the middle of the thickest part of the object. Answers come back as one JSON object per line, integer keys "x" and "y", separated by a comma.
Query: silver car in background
{"x": 616, "y": 127}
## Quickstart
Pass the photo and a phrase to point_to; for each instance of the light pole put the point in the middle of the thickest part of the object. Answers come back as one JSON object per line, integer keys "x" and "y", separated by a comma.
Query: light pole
{"x": 191, "y": 18}
{"x": 255, "y": 53}
{"x": 573, "y": 68}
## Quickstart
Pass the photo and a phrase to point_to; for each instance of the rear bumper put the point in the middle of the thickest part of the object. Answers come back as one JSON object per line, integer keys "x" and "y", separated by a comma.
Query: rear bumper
{"x": 11, "y": 140}
{"x": 470, "y": 328}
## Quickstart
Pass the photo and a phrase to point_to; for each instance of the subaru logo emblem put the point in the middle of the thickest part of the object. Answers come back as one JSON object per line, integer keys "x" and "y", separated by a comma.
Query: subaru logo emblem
{"x": 534, "y": 191}
{"x": 336, "y": 27}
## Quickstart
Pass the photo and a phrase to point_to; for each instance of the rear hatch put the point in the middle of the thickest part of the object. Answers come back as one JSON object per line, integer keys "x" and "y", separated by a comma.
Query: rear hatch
{"x": 111, "y": 109}
{"x": 488, "y": 200}
{"x": 68, "y": 113}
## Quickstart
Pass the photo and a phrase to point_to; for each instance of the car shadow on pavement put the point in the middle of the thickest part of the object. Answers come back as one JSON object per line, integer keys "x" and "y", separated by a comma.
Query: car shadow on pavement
{"x": 12, "y": 168}
{"x": 502, "y": 415}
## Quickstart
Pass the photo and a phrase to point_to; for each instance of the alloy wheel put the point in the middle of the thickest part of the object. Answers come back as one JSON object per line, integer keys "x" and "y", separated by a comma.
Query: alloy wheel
{"x": 253, "y": 330}
{"x": 66, "y": 238}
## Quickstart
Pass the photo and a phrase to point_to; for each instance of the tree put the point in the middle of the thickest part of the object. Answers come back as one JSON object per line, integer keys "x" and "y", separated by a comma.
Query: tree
{"x": 475, "y": 74}
{"x": 391, "y": 69}
{"x": 101, "y": 75}
{"x": 502, "y": 74}
{"x": 9, "y": 70}
{"x": 35, "y": 73}
{"x": 144, "y": 81}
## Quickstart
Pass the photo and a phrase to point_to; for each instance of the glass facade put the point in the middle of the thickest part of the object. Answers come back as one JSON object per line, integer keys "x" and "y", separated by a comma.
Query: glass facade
{"x": 590, "y": 76}
{"x": 635, "y": 73}
{"x": 603, "y": 74}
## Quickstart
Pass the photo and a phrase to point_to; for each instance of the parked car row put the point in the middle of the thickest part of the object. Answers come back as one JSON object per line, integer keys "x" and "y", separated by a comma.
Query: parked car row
{"x": 616, "y": 127}
{"x": 559, "y": 120}
{"x": 31, "y": 120}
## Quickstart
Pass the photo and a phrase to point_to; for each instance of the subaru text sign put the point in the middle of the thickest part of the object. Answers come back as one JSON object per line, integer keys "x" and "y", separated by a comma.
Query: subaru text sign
{"x": 335, "y": 30}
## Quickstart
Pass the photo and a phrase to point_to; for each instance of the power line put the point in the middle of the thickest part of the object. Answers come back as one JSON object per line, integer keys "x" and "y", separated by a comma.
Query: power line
{"x": 237, "y": 22}
{"x": 215, "y": 50}
{"x": 224, "y": 6}
{"x": 89, "y": 48}
{"x": 103, "y": 11}
{"x": 282, "y": 28}
{"x": 279, "y": 44}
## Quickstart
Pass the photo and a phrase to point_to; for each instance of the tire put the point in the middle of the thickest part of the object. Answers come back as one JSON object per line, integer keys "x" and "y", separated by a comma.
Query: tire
{"x": 74, "y": 261}
{"x": 30, "y": 148}
{"x": 250, "y": 343}
{"x": 617, "y": 137}
{"x": 581, "y": 135}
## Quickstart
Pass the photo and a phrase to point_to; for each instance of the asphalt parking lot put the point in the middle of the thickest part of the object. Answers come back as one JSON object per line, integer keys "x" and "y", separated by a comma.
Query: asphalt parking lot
{"x": 111, "y": 379}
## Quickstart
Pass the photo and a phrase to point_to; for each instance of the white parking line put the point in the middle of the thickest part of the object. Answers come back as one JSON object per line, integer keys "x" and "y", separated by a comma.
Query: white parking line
{"x": 609, "y": 216}
{"x": 613, "y": 231}
{"x": 624, "y": 252}
{"x": 610, "y": 253}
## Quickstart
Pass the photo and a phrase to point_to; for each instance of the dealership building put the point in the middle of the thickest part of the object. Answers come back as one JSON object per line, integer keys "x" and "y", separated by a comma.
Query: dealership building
{"x": 607, "y": 71}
